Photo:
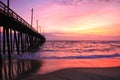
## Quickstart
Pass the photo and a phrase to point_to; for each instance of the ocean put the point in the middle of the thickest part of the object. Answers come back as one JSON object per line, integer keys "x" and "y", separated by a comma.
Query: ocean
{"x": 59, "y": 55}
{"x": 84, "y": 49}
{"x": 79, "y": 49}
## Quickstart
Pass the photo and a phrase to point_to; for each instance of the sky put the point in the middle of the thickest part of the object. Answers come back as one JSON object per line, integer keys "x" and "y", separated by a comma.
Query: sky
{"x": 72, "y": 19}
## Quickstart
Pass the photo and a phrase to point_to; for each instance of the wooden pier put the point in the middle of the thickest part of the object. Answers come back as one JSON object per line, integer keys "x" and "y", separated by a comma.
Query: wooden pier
{"x": 16, "y": 35}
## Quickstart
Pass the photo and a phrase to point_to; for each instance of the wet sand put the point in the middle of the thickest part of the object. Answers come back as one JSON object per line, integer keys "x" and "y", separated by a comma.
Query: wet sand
{"x": 17, "y": 69}
{"x": 81, "y": 73}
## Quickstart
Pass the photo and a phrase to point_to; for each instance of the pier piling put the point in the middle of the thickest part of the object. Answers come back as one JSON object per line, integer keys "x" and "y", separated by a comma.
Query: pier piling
{"x": 16, "y": 35}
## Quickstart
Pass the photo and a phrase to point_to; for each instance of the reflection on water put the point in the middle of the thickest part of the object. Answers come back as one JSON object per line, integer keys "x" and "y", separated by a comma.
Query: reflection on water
{"x": 17, "y": 69}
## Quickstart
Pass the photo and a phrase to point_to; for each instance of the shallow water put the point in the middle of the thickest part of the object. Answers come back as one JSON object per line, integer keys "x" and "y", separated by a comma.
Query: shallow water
{"x": 56, "y": 55}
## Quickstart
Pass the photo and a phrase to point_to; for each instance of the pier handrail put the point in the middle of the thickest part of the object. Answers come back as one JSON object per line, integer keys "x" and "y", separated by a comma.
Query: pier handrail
{"x": 9, "y": 12}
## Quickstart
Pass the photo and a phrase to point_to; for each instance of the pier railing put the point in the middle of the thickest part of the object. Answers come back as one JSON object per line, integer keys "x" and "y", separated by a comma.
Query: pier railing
{"x": 16, "y": 34}
{"x": 9, "y": 12}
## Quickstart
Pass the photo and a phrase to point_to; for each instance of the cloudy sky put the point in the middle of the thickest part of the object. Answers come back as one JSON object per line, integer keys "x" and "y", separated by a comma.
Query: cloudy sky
{"x": 73, "y": 19}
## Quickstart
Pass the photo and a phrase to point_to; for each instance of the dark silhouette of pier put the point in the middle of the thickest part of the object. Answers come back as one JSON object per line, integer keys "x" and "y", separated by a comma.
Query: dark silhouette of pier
{"x": 16, "y": 35}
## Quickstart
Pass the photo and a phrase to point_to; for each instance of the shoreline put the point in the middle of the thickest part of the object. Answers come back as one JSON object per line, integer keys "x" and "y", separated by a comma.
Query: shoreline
{"x": 77, "y": 71}
{"x": 62, "y": 69}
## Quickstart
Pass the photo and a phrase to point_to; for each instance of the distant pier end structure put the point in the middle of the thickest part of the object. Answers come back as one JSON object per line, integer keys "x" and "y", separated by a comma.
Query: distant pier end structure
{"x": 16, "y": 35}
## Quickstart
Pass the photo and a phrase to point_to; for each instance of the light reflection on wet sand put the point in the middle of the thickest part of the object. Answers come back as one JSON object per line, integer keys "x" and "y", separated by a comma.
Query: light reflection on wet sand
{"x": 17, "y": 69}
{"x": 50, "y": 65}
{"x": 78, "y": 69}
{"x": 63, "y": 69}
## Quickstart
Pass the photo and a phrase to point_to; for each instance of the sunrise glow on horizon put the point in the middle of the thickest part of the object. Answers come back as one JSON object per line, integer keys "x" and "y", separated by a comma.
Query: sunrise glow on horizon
{"x": 73, "y": 19}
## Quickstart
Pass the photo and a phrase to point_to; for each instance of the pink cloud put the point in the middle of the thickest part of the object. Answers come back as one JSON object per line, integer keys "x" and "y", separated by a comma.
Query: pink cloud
{"x": 67, "y": 16}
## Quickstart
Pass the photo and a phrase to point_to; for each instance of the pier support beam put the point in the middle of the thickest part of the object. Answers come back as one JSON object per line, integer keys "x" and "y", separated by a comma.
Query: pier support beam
{"x": 8, "y": 44}
{"x": 25, "y": 42}
{"x": 22, "y": 45}
{"x": 16, "y": 41}
{"x": 4, "y": 41}
{"x": 11, "y": 41}
{"x": 0, "y": 49}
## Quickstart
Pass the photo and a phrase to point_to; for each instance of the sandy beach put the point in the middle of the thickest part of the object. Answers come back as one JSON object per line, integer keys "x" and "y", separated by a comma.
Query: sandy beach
{"x": 81, "y": 73}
